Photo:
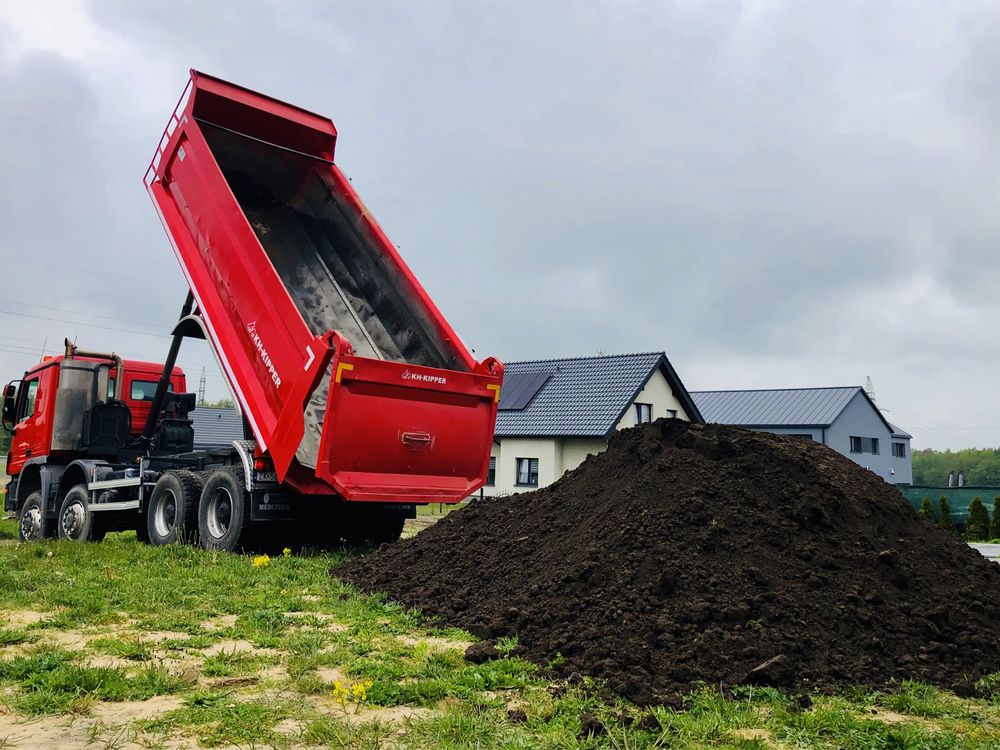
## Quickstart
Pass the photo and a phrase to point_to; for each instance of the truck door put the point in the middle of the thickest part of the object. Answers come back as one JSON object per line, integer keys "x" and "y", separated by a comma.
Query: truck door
{"x": 26, "y": 440}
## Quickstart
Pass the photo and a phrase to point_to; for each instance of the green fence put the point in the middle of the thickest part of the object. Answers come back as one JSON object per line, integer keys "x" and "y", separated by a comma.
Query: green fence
{"x": 958, "y": 498}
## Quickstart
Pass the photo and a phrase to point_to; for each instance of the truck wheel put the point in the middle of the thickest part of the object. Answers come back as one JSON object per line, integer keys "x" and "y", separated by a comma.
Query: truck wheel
{"x": 224, "y": 511}
{"x": 32, "y": 526}
{"x": 371, "y": 527}
{"x": 75, "y": 521}
{"x": 172, "y": 513}
{"x": 389, "y": 529}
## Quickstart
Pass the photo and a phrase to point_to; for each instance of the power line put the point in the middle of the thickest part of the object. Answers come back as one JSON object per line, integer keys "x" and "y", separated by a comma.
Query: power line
{"x": 81, "y": 323}
{"x": 25, "y": 349}
{"x": 63, "y": 310}
{"x": 19, "y": 338}
{"x": 92, "y": 271}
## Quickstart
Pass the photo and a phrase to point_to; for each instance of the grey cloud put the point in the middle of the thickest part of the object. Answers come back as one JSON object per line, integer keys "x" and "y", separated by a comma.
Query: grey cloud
{"x": 739, "y": 182}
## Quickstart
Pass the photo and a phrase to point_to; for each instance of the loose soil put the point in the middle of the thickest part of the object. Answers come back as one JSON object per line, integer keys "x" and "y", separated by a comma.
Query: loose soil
{"x": 688, "y": 553}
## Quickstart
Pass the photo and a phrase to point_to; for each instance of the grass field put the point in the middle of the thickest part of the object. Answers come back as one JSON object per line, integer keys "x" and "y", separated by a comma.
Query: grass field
{"x": 122, "y": 645}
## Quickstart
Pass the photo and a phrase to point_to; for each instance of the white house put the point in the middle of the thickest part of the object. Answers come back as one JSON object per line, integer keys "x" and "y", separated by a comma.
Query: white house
{"x": 554, "y": 413}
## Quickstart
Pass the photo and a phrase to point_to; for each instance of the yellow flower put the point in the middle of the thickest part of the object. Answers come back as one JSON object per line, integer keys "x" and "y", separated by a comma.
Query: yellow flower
{"x": 354, "y": 694}
{"x": 282, "y": 592}
{"x": 261, "y": 561}
{"x": 286, "y": 552}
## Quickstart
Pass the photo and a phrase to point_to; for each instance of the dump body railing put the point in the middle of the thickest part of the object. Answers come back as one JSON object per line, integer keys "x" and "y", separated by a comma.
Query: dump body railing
{"x": 351, "y": 379}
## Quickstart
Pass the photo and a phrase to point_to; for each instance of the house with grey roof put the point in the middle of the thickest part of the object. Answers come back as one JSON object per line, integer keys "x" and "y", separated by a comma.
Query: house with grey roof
{"x": 845, "y": 419}
{"x": 553, "y": 413}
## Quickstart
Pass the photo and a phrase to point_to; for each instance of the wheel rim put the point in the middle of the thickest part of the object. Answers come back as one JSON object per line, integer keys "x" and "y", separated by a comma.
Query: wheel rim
{"x": 31, "y": 524}
{"x": 165, "y": 513}
{"x": 219, "y": 513}
{"x": 72, "y": 520}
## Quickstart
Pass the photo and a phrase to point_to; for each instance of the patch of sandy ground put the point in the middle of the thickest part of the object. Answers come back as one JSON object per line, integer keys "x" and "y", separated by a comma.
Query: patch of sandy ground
{"x": 112, "y": 724}
{"x": 106, "y": 720}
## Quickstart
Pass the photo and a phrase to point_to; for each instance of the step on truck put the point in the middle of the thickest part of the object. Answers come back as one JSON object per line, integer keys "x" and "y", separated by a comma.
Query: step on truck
{"x": 359, "y": 401}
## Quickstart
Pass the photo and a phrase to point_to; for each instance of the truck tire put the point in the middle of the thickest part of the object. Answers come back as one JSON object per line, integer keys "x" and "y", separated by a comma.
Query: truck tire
{"x": 172, "y": 512}
{"x": 32, "y": 525}
{"x": 370, "y": 527}
{"x": 224, "y": 511}
{"x": 75, "y": 521}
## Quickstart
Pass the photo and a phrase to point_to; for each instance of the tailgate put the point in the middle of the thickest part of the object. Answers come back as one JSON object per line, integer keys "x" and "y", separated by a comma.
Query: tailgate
{"x": 395, "y": 432}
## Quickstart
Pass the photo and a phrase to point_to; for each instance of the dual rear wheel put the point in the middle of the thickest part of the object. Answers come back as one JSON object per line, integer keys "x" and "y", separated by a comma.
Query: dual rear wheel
{"x": 213, "y": 511}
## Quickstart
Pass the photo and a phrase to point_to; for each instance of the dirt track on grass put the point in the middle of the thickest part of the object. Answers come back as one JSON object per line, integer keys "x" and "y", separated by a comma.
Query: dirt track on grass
{"x": 687, "y": 554}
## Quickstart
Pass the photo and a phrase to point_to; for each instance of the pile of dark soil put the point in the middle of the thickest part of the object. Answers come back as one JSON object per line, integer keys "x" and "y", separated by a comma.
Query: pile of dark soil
{"x": 687, "y": 554}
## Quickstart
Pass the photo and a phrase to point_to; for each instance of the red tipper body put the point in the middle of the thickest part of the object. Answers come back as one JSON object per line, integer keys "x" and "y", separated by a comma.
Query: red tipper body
{"x": 351, "y": 379}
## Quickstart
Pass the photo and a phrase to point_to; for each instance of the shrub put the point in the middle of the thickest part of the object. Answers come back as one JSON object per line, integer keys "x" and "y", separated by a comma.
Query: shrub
{"x": 927, "y": 510}
{"x": 944, "y": 508}
{"x": 995, "y": 521}
{"x": 977, "y": 525}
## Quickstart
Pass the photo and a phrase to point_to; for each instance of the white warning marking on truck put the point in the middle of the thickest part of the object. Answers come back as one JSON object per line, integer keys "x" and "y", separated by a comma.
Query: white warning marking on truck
{"x": 264, "y": 356}
{"x": 424, "y": 378}
{"x": 312, "y": 356}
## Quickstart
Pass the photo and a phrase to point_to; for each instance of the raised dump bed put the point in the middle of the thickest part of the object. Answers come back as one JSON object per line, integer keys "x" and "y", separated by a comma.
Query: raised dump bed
{"x": 348, "y": 374}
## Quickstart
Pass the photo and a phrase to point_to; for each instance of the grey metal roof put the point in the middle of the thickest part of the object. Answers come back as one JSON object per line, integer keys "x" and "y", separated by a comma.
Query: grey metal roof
{"x": 899, "y": 431}
{"x": 799, "y": 407}
{"x": 584, "y": 396}
{"x": 214, "y": 428}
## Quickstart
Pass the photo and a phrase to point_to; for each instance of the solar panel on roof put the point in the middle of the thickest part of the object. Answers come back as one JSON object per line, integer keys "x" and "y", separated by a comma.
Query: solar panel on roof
{"x": 519, "y": 389}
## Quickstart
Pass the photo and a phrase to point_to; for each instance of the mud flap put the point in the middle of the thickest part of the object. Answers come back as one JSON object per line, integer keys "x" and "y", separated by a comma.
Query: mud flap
{"x": 273, "y": 506}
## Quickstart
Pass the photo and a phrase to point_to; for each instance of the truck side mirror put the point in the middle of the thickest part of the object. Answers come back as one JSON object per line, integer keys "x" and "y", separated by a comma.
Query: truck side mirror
{"x": 9, "y": 393}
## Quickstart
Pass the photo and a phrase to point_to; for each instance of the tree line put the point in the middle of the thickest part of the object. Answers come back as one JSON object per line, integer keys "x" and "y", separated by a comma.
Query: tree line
{"x": 980, "y": 466}
{"x": 980, "y": 525}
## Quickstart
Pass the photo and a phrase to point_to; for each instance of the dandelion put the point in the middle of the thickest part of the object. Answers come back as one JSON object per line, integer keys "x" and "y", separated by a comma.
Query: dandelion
{"x": 282, "y": 592}
{"x": 261, "y": 561}
{"x": 286, "y": 552}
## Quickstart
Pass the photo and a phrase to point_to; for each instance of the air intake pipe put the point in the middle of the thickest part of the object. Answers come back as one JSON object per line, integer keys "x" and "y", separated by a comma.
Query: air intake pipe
{"x": 73, "y": 351}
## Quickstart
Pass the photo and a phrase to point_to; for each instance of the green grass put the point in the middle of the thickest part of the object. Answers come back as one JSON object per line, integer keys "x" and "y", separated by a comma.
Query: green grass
{"x": 304, "y": 628}
{"x": 8, "y": 526}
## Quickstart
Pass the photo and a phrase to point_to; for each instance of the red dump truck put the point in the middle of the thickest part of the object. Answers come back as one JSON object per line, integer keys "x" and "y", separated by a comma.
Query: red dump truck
{"x": 359, "y": 400}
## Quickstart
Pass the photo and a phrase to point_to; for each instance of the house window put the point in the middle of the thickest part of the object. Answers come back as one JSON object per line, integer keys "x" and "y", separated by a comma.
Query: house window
{"x": 643, "y": 413}
{"x": 491, "y": 476}
{"x": 527, "y": 472}
{"x": 672, "y": 413}
{"x": 864, "y": 445}
{"x": 899, "y": 450}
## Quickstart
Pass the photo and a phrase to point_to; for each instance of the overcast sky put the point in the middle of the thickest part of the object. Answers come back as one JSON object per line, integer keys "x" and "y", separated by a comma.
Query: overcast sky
{"x": 776, "y": 194}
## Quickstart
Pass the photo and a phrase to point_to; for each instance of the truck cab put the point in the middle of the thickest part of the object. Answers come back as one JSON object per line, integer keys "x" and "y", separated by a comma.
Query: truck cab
{"x": 69, "y": 408}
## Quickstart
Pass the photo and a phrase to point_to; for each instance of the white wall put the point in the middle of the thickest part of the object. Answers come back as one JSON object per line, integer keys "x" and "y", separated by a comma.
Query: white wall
{"x": 657, "y": 392}
{"x": 576, "y": 450}
{"x": 556, "y": 456}
{"x": 548, "y": 451}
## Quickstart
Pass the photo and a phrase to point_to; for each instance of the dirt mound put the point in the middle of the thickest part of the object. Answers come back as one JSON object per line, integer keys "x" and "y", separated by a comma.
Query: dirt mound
{"x": 689, "y": 553}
